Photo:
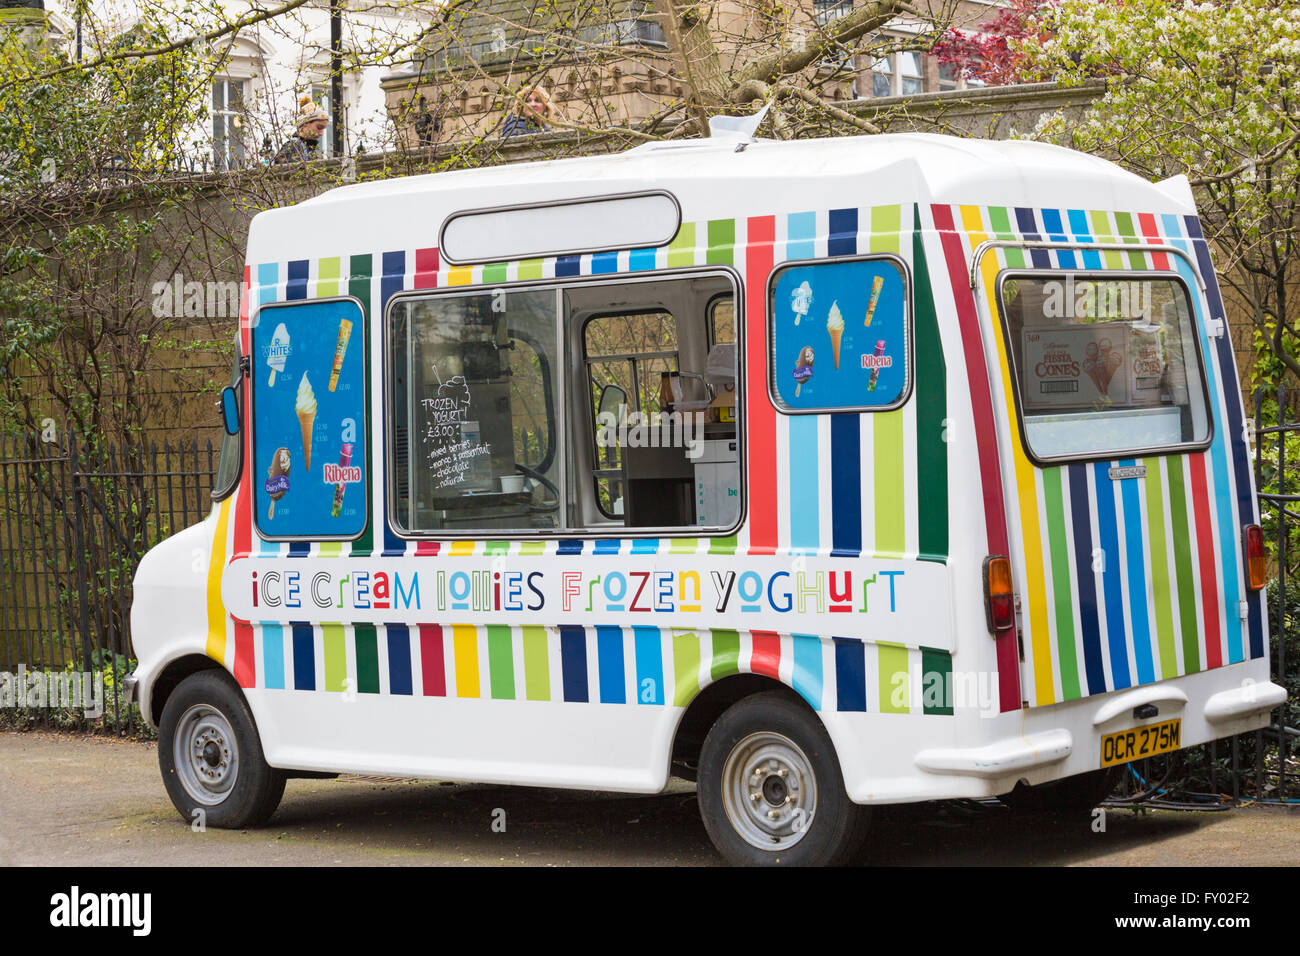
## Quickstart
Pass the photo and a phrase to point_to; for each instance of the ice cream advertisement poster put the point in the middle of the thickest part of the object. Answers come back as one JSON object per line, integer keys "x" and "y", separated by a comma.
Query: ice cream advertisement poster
{"x": 1110, "y": 363}
{"x": 309, "y": 421}
{"x": 840, "y": 335}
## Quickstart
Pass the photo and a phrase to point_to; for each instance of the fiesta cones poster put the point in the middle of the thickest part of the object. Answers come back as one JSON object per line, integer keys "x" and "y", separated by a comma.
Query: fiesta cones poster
{"x": 308, "y": 385}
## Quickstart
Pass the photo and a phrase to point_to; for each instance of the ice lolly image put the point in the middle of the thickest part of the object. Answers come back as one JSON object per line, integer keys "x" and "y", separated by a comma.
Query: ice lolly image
{"x": 345, "y": 459}
{"x": 277, "y": 478}
{"x": 305, "y": 407}
{"x": 279, "y": 351}
{"x": 875, "y": 369}
{"x": 877, "y": 284}
{"x": 340, "y": 349}
{"x": 835, "y": 326}
{"x": 801, "y": 300}
{"x": 803, "y": 368}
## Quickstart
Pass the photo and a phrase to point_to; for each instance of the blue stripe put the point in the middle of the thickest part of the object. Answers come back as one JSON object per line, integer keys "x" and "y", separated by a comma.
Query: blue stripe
{"x": 843, "y": 239}
{"x": 1039, "y": 258}
{"x": 268, "y": 277}
{"x": 1137, "y": 575}
{"x": 573, "y": 662}
{"x": 1240, "y": 455}
{"x": 846, "y": 485}
{"x": 273, "y": 656}
{"x": 649, "y": 665}
{"x": 804, "y": 494}
{"x": 399, "y": 659}
{"x": 1228, "y": 532}
{"x": 850, "y": 674}
{"x": 604, "y": 262}
{"x": 806, "y": 675}
{"x": 1056, "y": 232}
{"x": 645, "y": 546}
{"x": 299, "y": 549}
{"x": 609, "y": 661}
{"x": 568, "y": 266}
{"x": 569, "y": 546}
{"x": 1081, "y": 515}
{"x": 801, "y": 235}
{"x": 304, "y": 657}
{"x": 639, "y": 259}
{"x": 606, "y": 546}
{"x": 1082, "y": 232}
{"x": 296, "y": 287}
{"x": 1112, "y": 585}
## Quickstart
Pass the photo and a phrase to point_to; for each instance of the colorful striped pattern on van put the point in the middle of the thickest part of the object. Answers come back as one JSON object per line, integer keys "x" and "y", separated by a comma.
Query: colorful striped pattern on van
{"x": 1104, "y": 608}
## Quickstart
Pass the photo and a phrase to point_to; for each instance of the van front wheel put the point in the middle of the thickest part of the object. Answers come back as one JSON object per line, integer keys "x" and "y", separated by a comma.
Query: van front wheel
{"x": 770, "y": 788}
{"x": 211, "y": 757}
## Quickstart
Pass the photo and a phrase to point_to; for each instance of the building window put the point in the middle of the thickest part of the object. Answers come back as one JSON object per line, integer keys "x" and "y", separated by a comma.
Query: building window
{"x": 949, "y": 77}
{"x": 827, "y": 11}
{"x": 882, "y": 76}
{"x": 228, "y": 123}
{"x": 909, "y": 73}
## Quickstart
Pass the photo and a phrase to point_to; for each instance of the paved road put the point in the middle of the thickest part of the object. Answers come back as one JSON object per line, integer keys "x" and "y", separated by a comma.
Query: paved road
{"x": 70, "y": 800}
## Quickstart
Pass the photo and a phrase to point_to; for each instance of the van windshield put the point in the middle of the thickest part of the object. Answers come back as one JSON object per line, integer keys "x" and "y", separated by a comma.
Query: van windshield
{"x": 1104, "y": 365}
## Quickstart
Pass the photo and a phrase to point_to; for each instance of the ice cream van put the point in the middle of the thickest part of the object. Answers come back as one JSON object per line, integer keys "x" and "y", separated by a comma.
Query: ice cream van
{"x": 826, "y": 474}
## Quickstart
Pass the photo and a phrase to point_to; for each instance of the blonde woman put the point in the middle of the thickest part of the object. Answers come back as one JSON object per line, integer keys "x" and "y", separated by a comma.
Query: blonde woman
{"x": 533, "y": 113}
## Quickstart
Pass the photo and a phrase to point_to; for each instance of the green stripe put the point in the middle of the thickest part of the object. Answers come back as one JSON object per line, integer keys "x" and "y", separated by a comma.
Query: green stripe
{"x": 327, "y": 277}
{"x": 684, "y": 545}
{"x": 1178, "y": 508}
{"x": 1124, "y": 223}
{"x": 681, "y": 251}
{"x": 1062, "y": 584}
{"x": 722, "y": 242}
{"x": 367, "y": 659}
{"x": 1161, "y": 592}
{"x": 686, "y": 667}
{"x": 496, "y": 547}
{"x": 1102, "y": 232}
{"x": 726, "y": 653}
{"x": 336, "y": 657}
{"x": 501, "y": 662}
{"x": 361, "y": 268}
{"x": 886, "y": 223}
{"x": 330, "y": 549}
{"x": 537, "y": 663}
{"x": 936, "y": 681}
{"x": 725, "y": 545}
{"x": 892, "y": 660}
{"x": 887, "y": 441}
{"x": 494, "y": 272}
{"x": 532, "y": 547}
{"x": 1000, "y": 220}
{"x": 931, "y": 409}
{"x": 530, "y": 269}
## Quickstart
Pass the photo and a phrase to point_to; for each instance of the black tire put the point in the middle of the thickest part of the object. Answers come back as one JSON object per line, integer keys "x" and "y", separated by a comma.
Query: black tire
{"x": 211, "y": 756}
{"x": 743, "y": 755}
{"x": 1072, "y": 796}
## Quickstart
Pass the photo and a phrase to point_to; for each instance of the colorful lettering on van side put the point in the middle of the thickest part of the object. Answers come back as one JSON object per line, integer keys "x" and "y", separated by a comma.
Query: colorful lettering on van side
{"x": 1168, "y": 603}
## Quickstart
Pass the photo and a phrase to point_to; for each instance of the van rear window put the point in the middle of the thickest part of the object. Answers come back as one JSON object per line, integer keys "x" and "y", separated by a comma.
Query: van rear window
{"x": 1104, "y": 365}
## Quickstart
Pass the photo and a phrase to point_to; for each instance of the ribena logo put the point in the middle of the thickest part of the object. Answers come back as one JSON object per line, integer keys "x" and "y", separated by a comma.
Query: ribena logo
{"x": 341, "y": 474}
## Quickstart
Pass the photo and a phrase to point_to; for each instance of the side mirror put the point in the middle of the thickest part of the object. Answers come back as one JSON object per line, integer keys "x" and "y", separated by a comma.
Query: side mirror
{"x": 611, "y": 398}
{"x": 230, "y": 410}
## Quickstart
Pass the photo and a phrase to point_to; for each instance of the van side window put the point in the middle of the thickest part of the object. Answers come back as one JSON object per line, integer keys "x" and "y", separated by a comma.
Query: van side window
{"x": 840, "y": 336}
{"x": 308, "y": 388}
{"x": 473, "y": 380}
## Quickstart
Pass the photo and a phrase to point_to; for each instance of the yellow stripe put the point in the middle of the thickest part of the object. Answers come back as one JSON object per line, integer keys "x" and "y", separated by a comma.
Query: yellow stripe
{"x": 216, "y": 648}
{"x": 462, "y": 548}
{"x": 464, "y": 638}
{"x": 460, "y": 275}
{"x": 1026, "y": 492}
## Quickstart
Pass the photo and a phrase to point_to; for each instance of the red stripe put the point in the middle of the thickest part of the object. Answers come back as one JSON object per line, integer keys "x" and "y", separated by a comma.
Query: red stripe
{"x": 245, "y": 650}
{"x": 766, "y": 657}
{"x": 431, "y": 663}
{"x": 1205, "y": 553}
{"x": 426, "y": 269}
{"x": 426, "y": 548}
{"x": 1147, "y": 223}
{"x": 995, "y": 518}
{"x": 762, "y": 414}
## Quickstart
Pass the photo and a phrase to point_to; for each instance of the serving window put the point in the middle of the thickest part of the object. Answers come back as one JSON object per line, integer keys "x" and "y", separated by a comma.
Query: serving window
{"x": 1104, "y": 365}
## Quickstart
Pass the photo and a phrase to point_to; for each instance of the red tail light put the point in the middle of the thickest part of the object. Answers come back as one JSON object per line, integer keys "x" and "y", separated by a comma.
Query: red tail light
{"x": 999, "y": 598}
{"x": 1252, "y": 542}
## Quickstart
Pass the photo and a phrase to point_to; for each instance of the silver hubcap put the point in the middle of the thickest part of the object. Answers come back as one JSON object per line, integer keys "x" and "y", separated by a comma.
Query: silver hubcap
{"x": 769, "y": 791}
{"x": 205, "y": 755}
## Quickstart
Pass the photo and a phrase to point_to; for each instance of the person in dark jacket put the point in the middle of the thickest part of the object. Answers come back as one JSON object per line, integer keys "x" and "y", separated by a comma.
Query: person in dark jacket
{"x": 533, "y": 113}
{"x": 305, "y": 144}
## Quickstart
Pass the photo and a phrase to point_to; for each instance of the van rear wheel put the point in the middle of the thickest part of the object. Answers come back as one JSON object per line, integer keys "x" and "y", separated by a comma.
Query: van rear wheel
{"x": 211, "y": 757}
{"x": 770, "y": 788}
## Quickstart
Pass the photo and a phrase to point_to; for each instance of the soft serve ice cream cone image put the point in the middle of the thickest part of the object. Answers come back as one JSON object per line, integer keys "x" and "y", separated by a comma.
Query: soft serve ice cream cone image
{"x": 835, "y": 326}
{"x": 305, "y": 407}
